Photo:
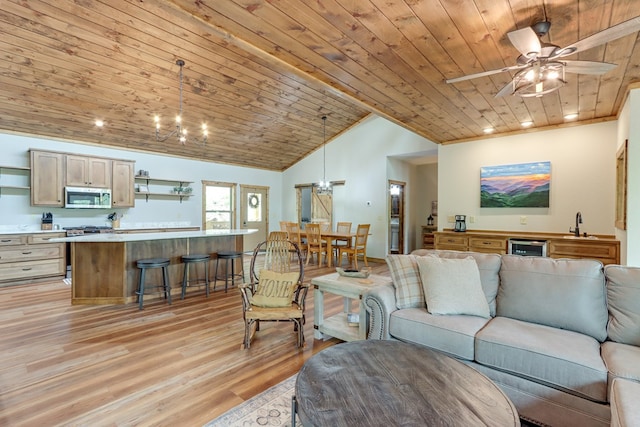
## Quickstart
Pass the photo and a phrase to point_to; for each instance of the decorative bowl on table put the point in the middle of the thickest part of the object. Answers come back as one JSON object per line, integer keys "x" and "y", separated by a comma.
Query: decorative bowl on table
{"x": 362, "y": 274}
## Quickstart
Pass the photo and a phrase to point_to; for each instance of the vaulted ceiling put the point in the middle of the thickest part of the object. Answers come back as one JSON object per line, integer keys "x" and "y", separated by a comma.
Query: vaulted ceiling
{"x": 262, "y": 73}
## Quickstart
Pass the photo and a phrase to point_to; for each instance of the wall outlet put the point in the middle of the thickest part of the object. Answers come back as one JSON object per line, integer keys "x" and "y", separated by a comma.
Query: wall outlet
{"x": 451, "y": 218}
{"x": 472, "y": 219}
{"x": 523, "y": 220}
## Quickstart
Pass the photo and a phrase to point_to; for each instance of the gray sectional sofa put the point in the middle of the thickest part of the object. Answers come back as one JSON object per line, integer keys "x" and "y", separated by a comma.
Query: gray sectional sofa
{"x": 557, "y": 333}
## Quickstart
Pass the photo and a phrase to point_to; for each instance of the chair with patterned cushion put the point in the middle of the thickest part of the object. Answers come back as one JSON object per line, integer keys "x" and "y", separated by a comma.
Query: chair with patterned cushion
{"x": 276, "y": 291}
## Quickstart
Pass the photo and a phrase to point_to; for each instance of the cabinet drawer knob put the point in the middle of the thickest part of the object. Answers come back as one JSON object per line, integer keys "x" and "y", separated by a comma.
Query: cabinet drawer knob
{"x": 5, "y": 240}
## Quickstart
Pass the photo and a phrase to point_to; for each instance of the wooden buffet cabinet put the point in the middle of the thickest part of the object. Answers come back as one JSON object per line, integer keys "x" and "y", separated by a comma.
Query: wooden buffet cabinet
{"x": 603, "y": 248}
{"x": 24, "y": 258}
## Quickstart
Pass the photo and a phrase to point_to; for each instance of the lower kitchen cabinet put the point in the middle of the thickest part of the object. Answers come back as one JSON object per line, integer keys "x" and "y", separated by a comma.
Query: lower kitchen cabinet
{"x": 29, "y": 257}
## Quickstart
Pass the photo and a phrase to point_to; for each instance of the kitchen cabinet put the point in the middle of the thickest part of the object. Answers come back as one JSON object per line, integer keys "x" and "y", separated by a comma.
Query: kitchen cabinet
{"x": 47, "y": 178}
{"x": 83, "y": 171}
{"x": 488, "y": 244}
{"x": 428, "y": 240}
{"x": 122, "y": 184}
{"x": 26, "y": 258}
{"x": 608, "y": 252}
{"x": 605, "y": 249}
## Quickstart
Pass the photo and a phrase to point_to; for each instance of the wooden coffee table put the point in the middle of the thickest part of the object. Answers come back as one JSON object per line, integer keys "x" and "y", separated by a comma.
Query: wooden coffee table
{"x": 385, "y": 383}
{"x": 351, "y": 289}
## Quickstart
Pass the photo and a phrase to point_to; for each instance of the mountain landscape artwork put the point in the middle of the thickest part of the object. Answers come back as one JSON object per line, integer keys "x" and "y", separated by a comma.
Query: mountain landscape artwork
{"x": 524, "y": 185}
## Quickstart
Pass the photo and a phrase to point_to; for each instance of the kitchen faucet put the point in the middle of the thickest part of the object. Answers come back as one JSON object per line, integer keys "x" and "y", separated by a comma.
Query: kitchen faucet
{"x": 576, "y": 231}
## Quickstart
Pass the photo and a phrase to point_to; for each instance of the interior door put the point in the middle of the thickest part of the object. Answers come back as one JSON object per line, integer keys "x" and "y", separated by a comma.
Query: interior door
{"x": 254, "y": 213}
{"x": 396, "y": 217}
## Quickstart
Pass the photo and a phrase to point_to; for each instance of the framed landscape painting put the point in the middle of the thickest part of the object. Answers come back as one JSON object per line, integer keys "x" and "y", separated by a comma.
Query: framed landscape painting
{"x": 524, "y": 185}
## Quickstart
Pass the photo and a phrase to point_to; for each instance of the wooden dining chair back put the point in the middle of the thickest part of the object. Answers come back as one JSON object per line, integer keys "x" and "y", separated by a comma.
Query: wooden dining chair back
{"x": 325, "y": 227}
{"x": 293, "y": 231}
{"x": 276, "y": 291}
{"x": 359, "y": 247}
{"x": 315, "y": 244}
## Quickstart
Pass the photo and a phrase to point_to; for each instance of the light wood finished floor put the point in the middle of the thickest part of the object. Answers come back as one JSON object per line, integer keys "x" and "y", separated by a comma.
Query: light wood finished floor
{"x": 116, "y": 366}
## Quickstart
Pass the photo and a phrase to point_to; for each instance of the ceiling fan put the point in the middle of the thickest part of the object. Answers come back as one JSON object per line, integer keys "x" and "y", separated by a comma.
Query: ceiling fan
{"x": 540, "y": 67}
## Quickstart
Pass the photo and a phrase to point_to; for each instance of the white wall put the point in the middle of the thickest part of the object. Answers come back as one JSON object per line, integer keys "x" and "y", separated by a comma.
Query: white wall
{"x": 630, "y": 129}
{"x": 425, "y": 191}
{"x": 15, "y": 209}
{"x": 360, "y": 157}
{"x": 582, "y": 179}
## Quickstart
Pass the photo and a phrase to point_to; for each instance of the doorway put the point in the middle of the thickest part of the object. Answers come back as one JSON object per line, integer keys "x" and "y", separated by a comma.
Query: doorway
{"x": 254, "y": 212}
{"x": 396, "y": 217}
{"x": 313, "y": 206}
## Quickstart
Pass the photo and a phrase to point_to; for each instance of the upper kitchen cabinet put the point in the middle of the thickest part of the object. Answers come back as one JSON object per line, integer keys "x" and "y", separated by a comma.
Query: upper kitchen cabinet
{"x": 82, "y": 171}
{"x": 47, "y": 178}
{"x": 122, "y": 192}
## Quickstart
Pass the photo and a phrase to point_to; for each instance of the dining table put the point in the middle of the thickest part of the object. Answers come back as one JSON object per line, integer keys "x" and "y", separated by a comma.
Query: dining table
{"x": 329, "y": 237}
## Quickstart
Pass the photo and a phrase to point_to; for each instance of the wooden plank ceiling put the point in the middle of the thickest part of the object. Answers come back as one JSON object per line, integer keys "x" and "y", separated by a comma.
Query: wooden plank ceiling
{"x": 262, "y": 73}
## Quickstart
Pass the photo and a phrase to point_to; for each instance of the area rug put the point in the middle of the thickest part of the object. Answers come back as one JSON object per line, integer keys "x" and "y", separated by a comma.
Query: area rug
{"x": 272, "y": 407}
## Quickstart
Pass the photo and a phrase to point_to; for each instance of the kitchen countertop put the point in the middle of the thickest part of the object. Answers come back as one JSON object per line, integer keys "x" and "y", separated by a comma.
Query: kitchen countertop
{"x": 532, "y": 235}
{"x": 138, "y": 237}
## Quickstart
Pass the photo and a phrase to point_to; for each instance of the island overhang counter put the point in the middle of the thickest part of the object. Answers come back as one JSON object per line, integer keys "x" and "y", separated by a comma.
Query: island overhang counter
{"x": 103, "y": 266}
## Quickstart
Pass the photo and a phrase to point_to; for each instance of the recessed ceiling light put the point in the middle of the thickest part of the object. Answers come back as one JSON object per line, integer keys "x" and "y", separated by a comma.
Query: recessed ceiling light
{"x": 526, "y": 124}
{"x": 99, "y": 123}
{"x": 488, "y": 130}
{"x": 571, "y": 116}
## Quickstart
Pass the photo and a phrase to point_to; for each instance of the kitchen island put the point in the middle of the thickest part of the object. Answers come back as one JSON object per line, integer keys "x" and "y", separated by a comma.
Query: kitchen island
{"x": 103, "y": 266}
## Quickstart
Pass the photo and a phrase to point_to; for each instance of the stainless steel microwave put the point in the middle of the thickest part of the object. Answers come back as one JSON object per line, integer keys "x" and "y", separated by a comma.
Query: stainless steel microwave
{"x": 87, "y": 198}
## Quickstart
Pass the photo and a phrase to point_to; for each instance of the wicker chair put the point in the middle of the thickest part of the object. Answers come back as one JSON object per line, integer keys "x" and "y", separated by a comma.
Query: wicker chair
{"x": 274, "y": 256}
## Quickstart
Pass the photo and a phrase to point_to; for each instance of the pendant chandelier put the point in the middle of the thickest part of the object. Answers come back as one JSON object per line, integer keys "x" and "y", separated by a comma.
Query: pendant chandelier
{"x": 324, "y": 186}
{"x": 180, "y": 132}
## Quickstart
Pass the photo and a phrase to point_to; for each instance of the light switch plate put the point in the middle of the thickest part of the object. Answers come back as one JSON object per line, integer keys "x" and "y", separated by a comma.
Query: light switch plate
{"x": 523, "y": 220}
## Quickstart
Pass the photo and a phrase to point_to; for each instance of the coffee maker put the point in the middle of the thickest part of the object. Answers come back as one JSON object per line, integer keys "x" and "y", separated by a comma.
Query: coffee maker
{"x": 461, "y": 224}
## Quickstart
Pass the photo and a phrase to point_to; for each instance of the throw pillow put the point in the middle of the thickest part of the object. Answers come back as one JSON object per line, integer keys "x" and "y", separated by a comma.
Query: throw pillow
{"x": 452, "y": 286}
{"x": 406, "y": 280}
{"x": 275, "y": 289}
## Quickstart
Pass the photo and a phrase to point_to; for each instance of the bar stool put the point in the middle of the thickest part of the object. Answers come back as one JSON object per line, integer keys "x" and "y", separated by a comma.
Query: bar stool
{"x": 143, "y": 265}
{"x": 228, "y": 256}
{"x": 194, "y": 259}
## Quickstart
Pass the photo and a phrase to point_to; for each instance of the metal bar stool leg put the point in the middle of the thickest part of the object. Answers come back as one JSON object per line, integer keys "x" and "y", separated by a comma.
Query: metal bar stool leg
{"x": 167, "y": 286}
{"x": 141, "y": 288}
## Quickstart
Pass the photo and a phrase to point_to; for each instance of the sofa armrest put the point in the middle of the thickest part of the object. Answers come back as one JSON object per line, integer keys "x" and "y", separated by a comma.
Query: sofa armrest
{"x": 380, "y": 302}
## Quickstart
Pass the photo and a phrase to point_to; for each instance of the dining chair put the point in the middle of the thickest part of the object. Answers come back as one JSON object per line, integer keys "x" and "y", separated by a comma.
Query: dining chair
{"x": 261, "y": 300}
{"x": 325, "y": 227}
{"x": 283, "y": 225}
{"x": 358, "y": 248}
{"x": 342, "y": 227}
{"x": 315, "y": 243}
{"x": 293, "y": 231}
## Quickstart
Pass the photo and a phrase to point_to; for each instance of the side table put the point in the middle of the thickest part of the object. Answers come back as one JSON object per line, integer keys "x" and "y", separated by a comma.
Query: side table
{"x": 350, "y": 288}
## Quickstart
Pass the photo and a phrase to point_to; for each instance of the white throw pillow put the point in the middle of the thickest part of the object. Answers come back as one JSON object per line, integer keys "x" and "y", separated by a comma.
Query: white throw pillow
{"x": 452, "y": 286}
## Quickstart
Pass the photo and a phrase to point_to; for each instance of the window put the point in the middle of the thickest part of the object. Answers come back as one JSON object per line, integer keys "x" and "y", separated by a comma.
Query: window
{"x": 219, "y": 213}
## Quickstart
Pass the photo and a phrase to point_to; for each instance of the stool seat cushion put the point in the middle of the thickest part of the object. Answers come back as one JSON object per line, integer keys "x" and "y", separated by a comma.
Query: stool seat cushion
{"x": 152, "y": 262}
{"x": 229, "y": 254}
{"x": 196, "y": 257}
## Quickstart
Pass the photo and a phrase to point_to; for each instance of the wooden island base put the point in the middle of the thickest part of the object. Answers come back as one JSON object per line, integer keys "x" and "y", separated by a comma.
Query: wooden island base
{"x": 104, "y": 267}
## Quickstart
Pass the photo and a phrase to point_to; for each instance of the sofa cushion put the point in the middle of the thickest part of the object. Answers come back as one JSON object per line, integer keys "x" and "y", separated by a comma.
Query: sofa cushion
{"x": 623, "y": 294}
{"x": 561, "y": 359}
{"x": 450, "y": 334}
{"x": 625, "y": 396}
{"x": 622, "y": 360}
{"x": 488, "y": 265}
{"x": 562, "y": 293}
{"x": 406, "y": 280}
{"x": 452, "y": 286}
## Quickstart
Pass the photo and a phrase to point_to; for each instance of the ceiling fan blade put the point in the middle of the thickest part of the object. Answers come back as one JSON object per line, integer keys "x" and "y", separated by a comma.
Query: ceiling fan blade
{"x": 526, "y": 41}
{"x": 485, "y": 73}
{"x": 588, "y": 67}
{"x": 508, "y": 89}
{"x": 602, "y": 37}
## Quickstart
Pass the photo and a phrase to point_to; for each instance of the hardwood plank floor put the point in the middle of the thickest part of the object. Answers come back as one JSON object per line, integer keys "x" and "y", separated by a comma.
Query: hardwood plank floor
{"x": 117, "y": 366}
